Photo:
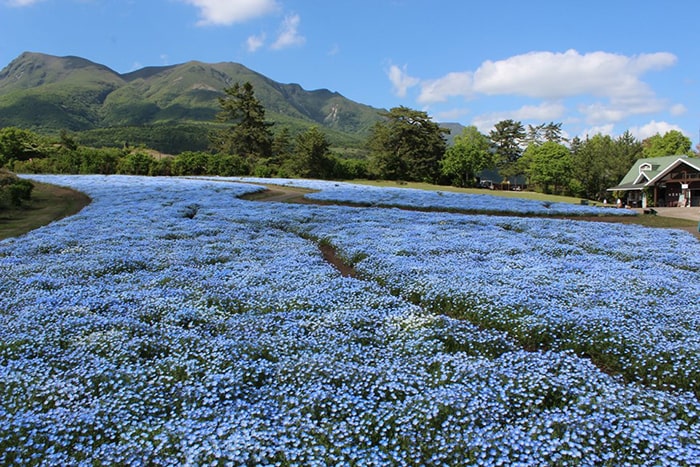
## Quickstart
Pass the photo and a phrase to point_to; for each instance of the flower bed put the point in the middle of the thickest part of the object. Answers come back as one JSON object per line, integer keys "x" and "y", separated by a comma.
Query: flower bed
{"x": 444, "y": 200}
{"x": 171, "y": 323}
{"x": 622, "y": 295}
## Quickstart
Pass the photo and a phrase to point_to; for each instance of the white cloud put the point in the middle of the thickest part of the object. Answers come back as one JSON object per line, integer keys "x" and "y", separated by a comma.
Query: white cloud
{"x": 554, "y": 76}
{"x": 678, "y": 109}
{"x": 226, "y": 12}
{"x": 545, "y": 112}
{"x": 600, "y": 89}
{"x": 619, "y": 109}
{"x": 21, "y": 3}
{"x": 253, "y": 43}
{"x": 597, "y": 113}
{"x": 451, "y": 115}
{"x": 400, "y": 80}
{"x": 450, "y": 85}
{"x": 605, "y": 130}
{"x": 289, "y": 35}
{"x": 550, "y": 75}
{"x": 652, "y": 128}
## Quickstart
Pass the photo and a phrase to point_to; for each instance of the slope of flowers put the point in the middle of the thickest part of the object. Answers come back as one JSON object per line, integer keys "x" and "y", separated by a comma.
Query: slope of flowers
{"x": 443, "y": 200}
{"x": 626, "y": 296}
{"x": 171, "y": 323}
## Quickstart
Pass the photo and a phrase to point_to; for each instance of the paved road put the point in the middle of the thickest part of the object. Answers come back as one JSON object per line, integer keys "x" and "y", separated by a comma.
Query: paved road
{"x": 691, "y": 213}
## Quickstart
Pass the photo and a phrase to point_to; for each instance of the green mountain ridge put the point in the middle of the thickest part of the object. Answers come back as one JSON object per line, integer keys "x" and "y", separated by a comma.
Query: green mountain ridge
{"x": 48, "y": 94}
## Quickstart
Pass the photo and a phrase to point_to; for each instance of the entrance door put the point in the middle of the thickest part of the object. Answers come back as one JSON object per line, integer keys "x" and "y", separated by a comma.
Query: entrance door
{"x": 695, "y": 197}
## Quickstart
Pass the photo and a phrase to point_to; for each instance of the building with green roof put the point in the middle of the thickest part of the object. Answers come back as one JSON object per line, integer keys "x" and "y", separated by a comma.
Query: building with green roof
{"x": 662, "y": 181}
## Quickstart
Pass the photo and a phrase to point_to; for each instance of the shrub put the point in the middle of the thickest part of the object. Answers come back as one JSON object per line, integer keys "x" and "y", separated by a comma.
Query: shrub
{"x": 14, "y": 190}
{"x": 136, "y": 163}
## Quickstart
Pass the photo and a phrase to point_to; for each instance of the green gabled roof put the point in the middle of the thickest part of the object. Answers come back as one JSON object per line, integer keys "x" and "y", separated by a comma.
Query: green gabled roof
{"x": 659, "y": 165}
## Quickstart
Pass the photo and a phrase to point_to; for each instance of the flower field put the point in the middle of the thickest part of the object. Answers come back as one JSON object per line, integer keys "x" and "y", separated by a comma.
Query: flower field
{"x": 172, "y": 323}
{"x": 436, "y": 200}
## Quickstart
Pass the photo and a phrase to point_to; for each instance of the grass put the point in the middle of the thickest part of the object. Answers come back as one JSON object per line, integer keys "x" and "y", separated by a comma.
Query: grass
{"x": 48, "y": 203}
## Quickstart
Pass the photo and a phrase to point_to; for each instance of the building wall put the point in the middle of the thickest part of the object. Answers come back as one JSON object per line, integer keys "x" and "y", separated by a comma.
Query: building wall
{"x": 674, "y": 193}
{"x": 681, "y": 186}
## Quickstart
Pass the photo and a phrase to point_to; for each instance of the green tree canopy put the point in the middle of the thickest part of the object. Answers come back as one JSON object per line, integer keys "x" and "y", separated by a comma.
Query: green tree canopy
{"x": 136, "y": 163}
{"x": 191, "y": 163}
{"x": 592, "y": 165}
{"x": 629, "y": 149}
{"x": 13, "y": 190}
{"x": 548, "y": 165}
{"x": 539, "y": 134}
{"x": 407, "y": 145}
{"x": 600, "y": 162}
{"x": 507, "y": 137}
{"x": 670, "y": 144}
{"x": 311, "y": 155}
{"x": 469, "y": 155}
{"x": 282, "y": 145}
{"x": 249, "y": 135}
{"x": 552, "y": 132}
{"x": 17, "y": 144}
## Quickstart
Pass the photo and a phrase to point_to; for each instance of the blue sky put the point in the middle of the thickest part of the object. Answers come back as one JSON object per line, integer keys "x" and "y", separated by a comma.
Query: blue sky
{"x": 595, "y": 66}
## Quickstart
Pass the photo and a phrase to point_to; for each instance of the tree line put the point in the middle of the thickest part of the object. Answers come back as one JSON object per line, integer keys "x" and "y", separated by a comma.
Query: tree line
{"x": 405, "y": 145}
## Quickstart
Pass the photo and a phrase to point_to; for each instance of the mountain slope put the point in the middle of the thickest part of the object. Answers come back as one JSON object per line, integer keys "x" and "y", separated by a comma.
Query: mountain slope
{"x": 41, "y": 91}
{"x": 47, "y": 93}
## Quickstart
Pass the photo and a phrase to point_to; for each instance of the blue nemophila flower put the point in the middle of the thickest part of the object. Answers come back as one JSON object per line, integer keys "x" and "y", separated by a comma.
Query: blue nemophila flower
{"x": 443, "y": 200}
{"x": 132, "y": 333}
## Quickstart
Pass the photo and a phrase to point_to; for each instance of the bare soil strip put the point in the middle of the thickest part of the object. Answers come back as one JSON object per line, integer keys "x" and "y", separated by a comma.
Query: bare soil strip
{"x": 279, "y": 194}
{"x": 331, "y": 256}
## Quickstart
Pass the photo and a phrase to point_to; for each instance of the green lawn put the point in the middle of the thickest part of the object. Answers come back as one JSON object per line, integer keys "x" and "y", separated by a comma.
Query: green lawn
{"x": 48, "y": 203}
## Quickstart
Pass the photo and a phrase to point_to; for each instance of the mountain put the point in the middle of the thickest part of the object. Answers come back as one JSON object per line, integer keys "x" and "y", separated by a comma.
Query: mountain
{"x": 455, "y": 130}
{"x": 44, "y": 92}
{"x": 47, "y": 94}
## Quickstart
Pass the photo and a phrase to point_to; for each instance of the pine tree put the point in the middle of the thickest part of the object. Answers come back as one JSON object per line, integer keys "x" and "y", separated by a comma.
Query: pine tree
{"x": 249, "y": 135}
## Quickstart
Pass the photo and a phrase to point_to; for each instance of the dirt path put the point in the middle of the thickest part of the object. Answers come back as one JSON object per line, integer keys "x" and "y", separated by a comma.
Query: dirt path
{"x": 280, "y": 194}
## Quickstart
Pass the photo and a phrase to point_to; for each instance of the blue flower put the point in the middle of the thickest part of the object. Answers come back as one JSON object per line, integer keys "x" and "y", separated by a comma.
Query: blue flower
{"x": 131, "y": 334}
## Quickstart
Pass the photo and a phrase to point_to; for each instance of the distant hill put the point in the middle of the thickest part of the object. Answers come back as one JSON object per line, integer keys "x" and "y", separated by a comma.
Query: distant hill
{"x": 455, "y": 130}
{"x": 170, "y": 108}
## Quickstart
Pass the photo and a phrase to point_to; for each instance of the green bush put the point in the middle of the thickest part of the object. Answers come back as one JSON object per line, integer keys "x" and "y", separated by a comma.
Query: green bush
{"x": 14, "y": 190}
{"x": 227, "y": 165}
{"x": 191, "y": 163}
{"x": 136, "y": 163}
